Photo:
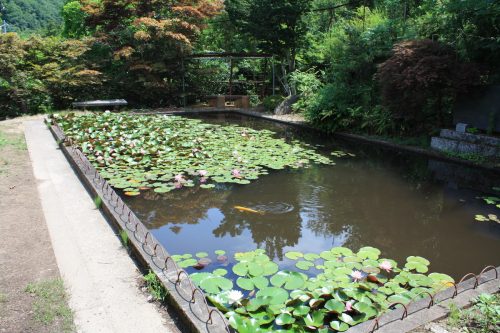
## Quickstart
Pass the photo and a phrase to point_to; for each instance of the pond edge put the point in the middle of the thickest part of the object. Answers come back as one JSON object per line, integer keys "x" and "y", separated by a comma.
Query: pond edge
{"x": 182, "y": 295}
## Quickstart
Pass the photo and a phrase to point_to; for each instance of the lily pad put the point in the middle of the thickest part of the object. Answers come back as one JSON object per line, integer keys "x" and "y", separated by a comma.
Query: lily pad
{"x": 293, "y": 255}
{"x": 304, "y": 265}
{"x": 288, "y": 280}
{"x": 216, "y": 284}
{"x": 277, "y": 295}
{"x": 339, "y": 326}
{"x": 335, "y": 306}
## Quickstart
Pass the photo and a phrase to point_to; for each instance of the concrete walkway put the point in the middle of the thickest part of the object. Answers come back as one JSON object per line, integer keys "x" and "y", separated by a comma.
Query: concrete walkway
{"x": 100, "y": 276}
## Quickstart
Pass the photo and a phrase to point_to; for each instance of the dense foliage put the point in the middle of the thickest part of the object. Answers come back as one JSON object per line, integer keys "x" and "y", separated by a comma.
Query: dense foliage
{"x": 328, "y": 52}
{"x": 32, "y": 15}
{"x": 38, "y": 74}
{"x": 423, "y": 76}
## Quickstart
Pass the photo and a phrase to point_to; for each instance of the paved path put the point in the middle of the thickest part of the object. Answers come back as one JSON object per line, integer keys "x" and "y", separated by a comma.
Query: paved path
{"x": 100, "y": 276}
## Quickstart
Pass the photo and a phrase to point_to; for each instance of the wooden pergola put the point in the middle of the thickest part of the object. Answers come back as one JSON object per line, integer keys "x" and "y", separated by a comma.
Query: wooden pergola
{"x": 230, "y": 57}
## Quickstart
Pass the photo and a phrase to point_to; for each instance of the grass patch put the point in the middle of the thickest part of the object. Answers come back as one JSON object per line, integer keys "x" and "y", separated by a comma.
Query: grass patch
{"x": 3, "y": 298}
{"x": 98, "y": 202}
{"x": 17, "y": 142}
{"x": 482, "y": 317}
{"x": 50, "y": 304}
{"x": 476, "y": 158}
{"x": 155, "y": 287}
{"x": 124, "y": 238}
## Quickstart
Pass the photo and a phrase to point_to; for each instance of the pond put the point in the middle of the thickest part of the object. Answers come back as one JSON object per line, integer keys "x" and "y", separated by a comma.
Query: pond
{"x": 400, "y": 203}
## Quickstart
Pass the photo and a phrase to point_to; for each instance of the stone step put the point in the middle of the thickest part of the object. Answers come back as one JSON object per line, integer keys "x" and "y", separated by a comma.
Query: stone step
{"x": 464, "y": 147}
{"x": 471, "y": 138}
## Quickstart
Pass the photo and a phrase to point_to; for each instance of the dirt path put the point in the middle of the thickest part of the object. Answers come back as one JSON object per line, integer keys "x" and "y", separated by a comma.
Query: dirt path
{"x": 26, "y": 254}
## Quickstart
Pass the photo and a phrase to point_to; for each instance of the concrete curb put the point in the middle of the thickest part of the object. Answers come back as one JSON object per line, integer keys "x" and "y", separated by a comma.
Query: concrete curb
{"x": 194, "y": 311}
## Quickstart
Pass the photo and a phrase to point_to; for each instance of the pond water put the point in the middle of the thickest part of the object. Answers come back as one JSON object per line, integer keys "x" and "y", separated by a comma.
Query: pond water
{"x": 400, "y": 203}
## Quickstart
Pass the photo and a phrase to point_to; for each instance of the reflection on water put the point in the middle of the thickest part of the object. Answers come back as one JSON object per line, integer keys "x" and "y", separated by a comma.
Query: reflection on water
{"x": 382, "y": 199}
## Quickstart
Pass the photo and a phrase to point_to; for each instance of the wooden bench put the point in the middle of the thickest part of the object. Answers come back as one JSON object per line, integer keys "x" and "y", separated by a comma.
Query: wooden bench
{"x": 219, "y": 101}
{"x": 115, "y": 103}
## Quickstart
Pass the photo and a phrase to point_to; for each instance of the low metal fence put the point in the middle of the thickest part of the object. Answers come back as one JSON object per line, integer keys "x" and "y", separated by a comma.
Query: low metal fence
{"x": 189, "y": 300}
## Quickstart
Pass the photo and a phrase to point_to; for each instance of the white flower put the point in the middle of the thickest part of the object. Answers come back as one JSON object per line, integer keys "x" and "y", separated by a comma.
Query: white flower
{"x": 234, "y": 296}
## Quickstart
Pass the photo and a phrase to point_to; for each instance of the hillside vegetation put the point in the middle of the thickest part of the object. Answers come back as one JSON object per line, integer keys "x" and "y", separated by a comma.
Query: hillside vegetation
{"x": 32, "y": 15}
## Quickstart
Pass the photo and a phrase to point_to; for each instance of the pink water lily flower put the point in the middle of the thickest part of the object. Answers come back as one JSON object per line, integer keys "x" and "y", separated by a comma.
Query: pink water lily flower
{"x": 348, "y": 306}
{"x": 203, "y": 173}
{"x": 179, "y": 178}
{"x": 357, "y": 275}
{"x": 386, "y": 266}
{"x": 178, "y": 185}
{"x": 236, "y": 173}
{"x": 203, "y": 180}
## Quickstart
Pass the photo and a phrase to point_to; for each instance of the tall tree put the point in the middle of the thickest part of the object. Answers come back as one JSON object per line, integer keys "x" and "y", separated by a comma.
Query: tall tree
{"x": 277, "y": 26}
{"x": 146, "y": 39}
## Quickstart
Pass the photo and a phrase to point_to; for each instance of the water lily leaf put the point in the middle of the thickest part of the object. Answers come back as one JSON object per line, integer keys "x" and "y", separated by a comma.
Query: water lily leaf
{"x": 254, "y": 269}
{"x": 301, "y": 310}
{"x": 187, "y": 263}
{"x": 262, "y": 317}
{"x": 244, "y": 325}
{"x": 284, "y": 319}
{"x": 339, "y": 250}
{"x": 202, "y": 254}
{"x": 304, "y": 265}
{"x": 220, "y": 252}
{"x": 328, "y": 255}
{"x": 288, "y": 279}
{"x": 278, "y": 295}
{"x": 314, "y": 319}
{"x": 368, "y": 252}
{"x": 216, "y": 284}
{"x": 198, "y": 277}
{"x": 400, "y": 298}
{"x": 293, "y": 255}
{"x": 240, "y": 269}
{"x": 270, "y": 268}
{"x": 339, "y": 326}
{"x": 245, "y": 283}
{"x": 220, "y": 272}
{"x": 419, "y": 267}
{"x": 132, "y": 194}
{"x": 335, "y": 306}
{"x": 311, "y": 256}
{"x": 258, "y": 302}
{"x": 367, "y": 309}
{"x": 420, "y": 260}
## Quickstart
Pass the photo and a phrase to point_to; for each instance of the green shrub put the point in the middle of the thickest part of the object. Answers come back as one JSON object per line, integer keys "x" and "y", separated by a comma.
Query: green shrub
{"x": 155, "y": 287}
{"x": 271, "y": 102}
{"x": 349, "y": 99}
{"x": 38, "y": 74}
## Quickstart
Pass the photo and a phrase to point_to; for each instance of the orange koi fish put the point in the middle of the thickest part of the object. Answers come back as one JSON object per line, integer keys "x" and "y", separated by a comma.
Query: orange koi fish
{"x": 248, "y": 210}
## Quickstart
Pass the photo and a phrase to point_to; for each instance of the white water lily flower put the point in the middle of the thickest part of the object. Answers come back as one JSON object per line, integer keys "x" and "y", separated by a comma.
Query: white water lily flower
{"x": 234, "y": 297}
